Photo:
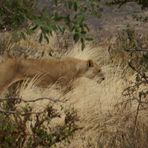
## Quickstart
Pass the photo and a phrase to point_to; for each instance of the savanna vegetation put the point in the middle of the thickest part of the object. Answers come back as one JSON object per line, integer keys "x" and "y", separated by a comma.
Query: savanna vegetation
{"x": 24, "y": 124}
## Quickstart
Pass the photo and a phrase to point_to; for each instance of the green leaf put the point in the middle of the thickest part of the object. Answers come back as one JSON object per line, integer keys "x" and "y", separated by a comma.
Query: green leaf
{"x": 41, "y": 37}
{"x": 88, "y": 39}
{"x": 57, "y": 17}
{"x": 76, "y": 37}
{"x": 82, "y": 43}
{"x": 75, "y": 6}
{"x": 83, "y": 32}
{"x": 81, "y": 19}
{"x": 69, "y": 4}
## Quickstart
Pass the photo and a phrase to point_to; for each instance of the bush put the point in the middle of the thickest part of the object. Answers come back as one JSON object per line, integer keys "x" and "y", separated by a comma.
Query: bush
{"x": 26, "y": 128}
{"x": 63, "y": 15}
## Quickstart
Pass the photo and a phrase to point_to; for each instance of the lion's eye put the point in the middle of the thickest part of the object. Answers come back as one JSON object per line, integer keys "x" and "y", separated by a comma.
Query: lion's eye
{"x": 90, "y": 63}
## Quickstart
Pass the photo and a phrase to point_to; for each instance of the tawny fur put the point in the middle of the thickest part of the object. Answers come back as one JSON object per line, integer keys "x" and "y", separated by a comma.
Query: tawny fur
{"x": 51, "y": 70}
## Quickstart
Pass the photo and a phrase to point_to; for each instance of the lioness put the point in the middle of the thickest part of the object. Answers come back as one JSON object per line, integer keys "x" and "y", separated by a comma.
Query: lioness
{"x": 51, "y": 70}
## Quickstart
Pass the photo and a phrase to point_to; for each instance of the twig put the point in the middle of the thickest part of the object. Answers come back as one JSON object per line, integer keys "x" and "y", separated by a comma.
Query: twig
{"x": 137, "y": 113}
{"x": 18, "y": 112}
{"x": 141, "y": 74}
{"x": 26, "y": 101}
{"x": 137, "y": 49}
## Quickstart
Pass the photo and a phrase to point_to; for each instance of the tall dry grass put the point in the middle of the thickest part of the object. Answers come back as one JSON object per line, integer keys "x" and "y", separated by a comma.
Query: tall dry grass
{"x": 105, "y": 122}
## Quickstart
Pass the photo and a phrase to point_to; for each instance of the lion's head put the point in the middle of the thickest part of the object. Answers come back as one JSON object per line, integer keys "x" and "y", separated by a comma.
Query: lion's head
{"x": 91, "y": 70}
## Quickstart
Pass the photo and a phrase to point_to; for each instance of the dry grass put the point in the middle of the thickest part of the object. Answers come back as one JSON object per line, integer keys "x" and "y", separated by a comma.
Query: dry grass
{"x": 105, "y": 123}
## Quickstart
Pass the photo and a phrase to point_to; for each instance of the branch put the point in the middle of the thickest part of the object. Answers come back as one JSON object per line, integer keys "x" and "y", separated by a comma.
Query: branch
{"x": 141, "y": 74}
{"x": 18, "y": 112}
{"x": 137, "y": 49}
{"x": 26, "y": 101}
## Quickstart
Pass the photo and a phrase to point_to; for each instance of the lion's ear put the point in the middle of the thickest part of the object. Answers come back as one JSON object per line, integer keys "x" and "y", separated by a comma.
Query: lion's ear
{"x": 90, "y": 63}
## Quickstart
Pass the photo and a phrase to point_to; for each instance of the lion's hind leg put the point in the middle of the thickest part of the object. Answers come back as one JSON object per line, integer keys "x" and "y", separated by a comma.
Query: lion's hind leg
{"x": 7, "y": 74}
